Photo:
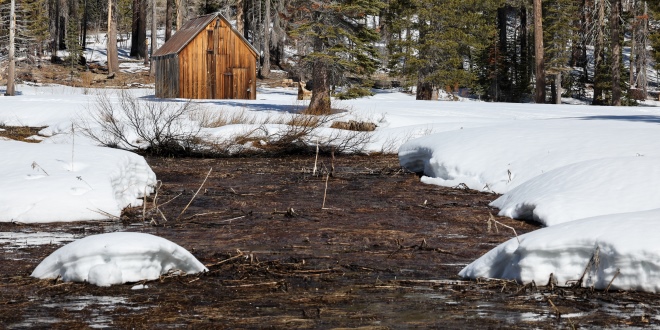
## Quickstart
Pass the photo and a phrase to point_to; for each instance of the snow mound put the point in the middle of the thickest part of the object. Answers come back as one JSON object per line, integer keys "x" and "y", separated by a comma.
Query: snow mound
{"x": 117, "y": 258}
{"x": 585, "y": 189}
{"x": 53, "y": 182}
{"x": 626, "y": 244}
{"x": 501, "y": 157}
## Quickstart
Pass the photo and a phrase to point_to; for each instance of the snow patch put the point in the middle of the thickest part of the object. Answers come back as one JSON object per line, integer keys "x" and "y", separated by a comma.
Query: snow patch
{"x": 117, "y": 258}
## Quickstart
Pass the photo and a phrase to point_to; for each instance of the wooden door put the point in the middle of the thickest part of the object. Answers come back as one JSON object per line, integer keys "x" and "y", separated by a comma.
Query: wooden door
{"x": 241, "y": 85}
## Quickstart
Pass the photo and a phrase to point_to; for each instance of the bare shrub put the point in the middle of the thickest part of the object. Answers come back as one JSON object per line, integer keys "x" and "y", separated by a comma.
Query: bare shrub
{"x": 302, "y": 134}
{"x": 214, "y": 119}
{"x": 132, "y": 123}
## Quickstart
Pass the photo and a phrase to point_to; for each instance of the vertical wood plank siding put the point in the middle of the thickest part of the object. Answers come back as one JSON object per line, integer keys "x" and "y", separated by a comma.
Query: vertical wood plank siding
{"x": 215, "y": 63}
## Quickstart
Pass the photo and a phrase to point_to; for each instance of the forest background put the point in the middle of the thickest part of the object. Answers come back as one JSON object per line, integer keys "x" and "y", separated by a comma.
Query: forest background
{"x": 496, "y": 50}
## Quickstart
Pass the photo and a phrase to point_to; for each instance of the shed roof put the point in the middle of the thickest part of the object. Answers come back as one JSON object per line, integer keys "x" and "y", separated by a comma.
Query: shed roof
{"x": 188, "y": 32}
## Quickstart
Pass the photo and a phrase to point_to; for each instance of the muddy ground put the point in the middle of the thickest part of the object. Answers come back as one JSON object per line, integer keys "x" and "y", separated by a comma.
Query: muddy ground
{"x": 382, "y": 253}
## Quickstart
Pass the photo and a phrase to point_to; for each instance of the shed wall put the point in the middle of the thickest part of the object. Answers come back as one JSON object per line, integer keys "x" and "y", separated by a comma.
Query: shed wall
{"x": 222, "y": 70}
{"x": 167, "y": 76}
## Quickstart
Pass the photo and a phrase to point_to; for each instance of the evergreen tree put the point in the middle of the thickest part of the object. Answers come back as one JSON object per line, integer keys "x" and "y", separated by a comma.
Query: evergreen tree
{"x": 341, "y": 43}
{"x": 559, "y": 34}
{"x": 436, "y": 43}
{"x": 37, "y": 23}
{"x": 72, "y": 40}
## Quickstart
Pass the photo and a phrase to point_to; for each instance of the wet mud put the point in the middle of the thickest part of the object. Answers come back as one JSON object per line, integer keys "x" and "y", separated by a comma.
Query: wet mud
{"x": 357, "y": 243}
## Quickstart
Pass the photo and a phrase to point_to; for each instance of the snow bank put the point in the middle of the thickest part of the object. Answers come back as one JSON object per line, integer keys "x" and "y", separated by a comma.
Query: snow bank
{"x": 117, "y": 258}
{"x": 627, "y": 245}
{"x": 586, "y": 189}
{"x": 501, "y": 157}
{"x": 52, "y": 182}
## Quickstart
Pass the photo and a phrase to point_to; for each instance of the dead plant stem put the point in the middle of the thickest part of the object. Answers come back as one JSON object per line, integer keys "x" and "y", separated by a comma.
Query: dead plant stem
{"x": 195, "y": 195}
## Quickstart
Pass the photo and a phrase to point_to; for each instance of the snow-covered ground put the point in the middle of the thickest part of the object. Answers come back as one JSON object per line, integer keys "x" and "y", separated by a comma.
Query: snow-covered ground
{"x": 554, "y": 164}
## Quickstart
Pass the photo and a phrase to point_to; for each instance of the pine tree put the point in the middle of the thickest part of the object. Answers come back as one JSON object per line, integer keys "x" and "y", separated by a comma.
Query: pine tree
{"x": 340, "y": 43}
{"x": 559, "y": 34}
{"x": 37, "y": 23}
{"x": 72, "y": 39}
{"x": 436, "y": 43}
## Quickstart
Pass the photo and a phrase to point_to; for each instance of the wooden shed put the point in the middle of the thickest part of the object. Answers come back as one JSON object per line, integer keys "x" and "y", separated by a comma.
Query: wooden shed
{"x": 206, "y": 59}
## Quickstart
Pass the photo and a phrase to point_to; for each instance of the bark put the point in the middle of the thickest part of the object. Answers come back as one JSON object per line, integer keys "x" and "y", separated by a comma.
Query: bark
{"x": 139, "y": 29}
{"x": 426, "y": 91}
{"x": 61, "y": 21}
{"x": 539, "y": 53}
{"x": 113, "y": 60}
{"x": 599, "y": 55}
{"x": 615, "y": 26}
{"x": 180, "y": 12}
{"x": 524, "y": 50}
{"x": 240, "y": 19}
{"x": 633, "y": 43}
{"x": 154, "y": 39}
{"x": 54, "y": 14}
{"x": 169, "y": 4}
{"x": 501, "y": 53}
{"x": 83, "y": 26}
{"x": 12, "y": 65}
{"x": 265, "y": 65}
{"x": 320, "y": 102}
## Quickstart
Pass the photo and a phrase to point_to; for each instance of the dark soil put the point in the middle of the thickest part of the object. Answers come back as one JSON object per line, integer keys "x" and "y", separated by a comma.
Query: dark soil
{"x": 383, "y": 253}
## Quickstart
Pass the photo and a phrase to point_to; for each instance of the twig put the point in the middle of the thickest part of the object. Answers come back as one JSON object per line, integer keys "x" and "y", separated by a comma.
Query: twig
{"x": 252, "y": 285}
{"x": 101, "y": 212}
{"x": 492, "y": 218}
{"x": 325, "y": 193}
{"x": 593, "y": 261}
{"x": 610, "y": 284}
{"x": 195, "y": 195}
{"x": 83, "y": 180}
{"x": 555, "y": 308}
{"x": 316, "y": 159}
{"x": 36, "y": 166}
{"x": 144, "y": 204}
{"x": 240, "y": 254}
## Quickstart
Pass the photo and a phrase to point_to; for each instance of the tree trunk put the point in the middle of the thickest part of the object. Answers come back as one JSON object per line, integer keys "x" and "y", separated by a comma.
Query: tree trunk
{"x": 113, "y": 60}
{"x": 54, "y": 9}
{"x": 63, "y": 12}
{"x": 240, "y": 19}
{"x": 426, "y": 91}
{"x": 265, "y": 65}
{"x": 139, "y": 29}
{"x": 525, "y": 69}
{"x": 11, "y": 74}
{"x": 500, "y": 54}
{"x": 633, "y": 42}
{"x": 169, "y": 4}
{"x": 599, "y": 56}
{"x": 557, "y": 88}
{"x": 320, "y": 101}
{"x": 83, "y": 26}
{"x": 154, "y": 36}
{"x": 180, "y": 10}
{"x": 586, "y": 21}
{"x": 642, "y": 80}
{"x": 615, "y": 26}
{"x": 539, "y": 53}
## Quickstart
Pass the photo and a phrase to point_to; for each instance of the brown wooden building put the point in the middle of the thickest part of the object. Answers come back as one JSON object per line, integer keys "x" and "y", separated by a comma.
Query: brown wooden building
{"x": 206, "y": 59}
